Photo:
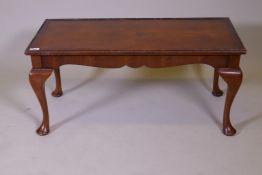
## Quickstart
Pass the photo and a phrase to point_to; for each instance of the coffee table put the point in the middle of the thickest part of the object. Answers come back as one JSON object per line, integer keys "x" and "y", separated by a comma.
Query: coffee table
{"x": 155, "y": 43}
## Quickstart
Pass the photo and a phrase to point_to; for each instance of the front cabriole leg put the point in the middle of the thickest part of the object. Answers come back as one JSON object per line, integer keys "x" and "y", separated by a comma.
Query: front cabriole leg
{"x": 37, "y": 79}
{"x": 233, "y": 78}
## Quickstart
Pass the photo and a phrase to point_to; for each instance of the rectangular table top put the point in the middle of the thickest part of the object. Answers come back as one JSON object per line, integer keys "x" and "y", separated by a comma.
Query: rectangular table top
{"x": 157, "y": 36}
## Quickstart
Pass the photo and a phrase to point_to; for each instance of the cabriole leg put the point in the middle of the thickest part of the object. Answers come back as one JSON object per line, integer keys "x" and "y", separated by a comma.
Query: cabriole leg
{"x": 58, "y": 90}
{"x": 233, "y": 78}
{"x": 216, "y": 90}
{"x": 37, "y": 79}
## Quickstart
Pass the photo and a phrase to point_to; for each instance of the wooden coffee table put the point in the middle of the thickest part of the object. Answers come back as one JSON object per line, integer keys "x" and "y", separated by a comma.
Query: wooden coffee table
{"x": 155, "y": 43}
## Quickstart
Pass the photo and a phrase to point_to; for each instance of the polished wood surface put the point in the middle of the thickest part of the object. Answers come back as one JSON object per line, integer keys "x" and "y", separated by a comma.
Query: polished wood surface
{"x": 216, "y": 90}
{"x": 136, "y": 36}
{"x": 233, "y": 78}
{"x": 37, "y": 79}
{"x": 58, "y": 90}
{"x": 155, "y": 43}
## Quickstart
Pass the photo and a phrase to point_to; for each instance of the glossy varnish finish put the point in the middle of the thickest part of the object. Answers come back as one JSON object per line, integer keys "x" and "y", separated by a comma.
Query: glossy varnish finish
{"x": 113, "y": 43}
{"x": 137, "y": 36}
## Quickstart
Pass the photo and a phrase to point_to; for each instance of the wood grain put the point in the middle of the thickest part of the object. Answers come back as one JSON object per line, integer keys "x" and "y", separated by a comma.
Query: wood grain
{"x": 155, "y": 43}
{"x": 191, "y": 36}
